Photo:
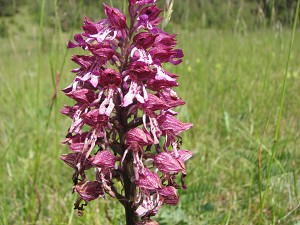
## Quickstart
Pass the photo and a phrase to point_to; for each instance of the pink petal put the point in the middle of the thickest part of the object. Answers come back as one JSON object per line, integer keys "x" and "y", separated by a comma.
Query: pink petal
{"x": 167, "y": 163}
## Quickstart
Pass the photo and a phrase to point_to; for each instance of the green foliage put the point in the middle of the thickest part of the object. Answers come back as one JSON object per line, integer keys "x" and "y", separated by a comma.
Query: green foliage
{"x": 69, "y": 14}
{"x": 3, "y": 29}
{"x": 237, "y": 15}
{"x": 10, "y": 7}
{"x": 233, "y": 14}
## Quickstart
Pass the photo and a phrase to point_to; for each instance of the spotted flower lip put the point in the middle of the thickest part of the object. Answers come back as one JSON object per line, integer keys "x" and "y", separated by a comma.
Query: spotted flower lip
{"x": 123, "y": 123}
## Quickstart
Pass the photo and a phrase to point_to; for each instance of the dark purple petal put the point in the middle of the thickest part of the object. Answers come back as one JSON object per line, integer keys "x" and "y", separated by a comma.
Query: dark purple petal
{"x": 80, "y": 42}
{"x": 104, "y": 159}
{"x": 85, "y": 61}
{"x": 152, "y": 12}
{"x": 157, "y": 85}
{"x": 82, "y": 95}
{"x": 110, "y": 77}
{"x": 90, "y": 27}
{"x": 166, "y": 54}
{"x": 76, "y": 142}
{"x": 115, "y": 17}
{"x": 69, "y": 110}
{"x": 175, "y": 59}
{"x": 144, "y": 40}
{"x": 165, "y": 39}
{"x": 167, "y": 163}
{"x": 93, "y": 118}
{"x": 103, "y": 51}
{"x": 89, "y": 190}
{"x": 72, "y": 45}
{"x": 72, "y": 160}
{"x": 141, "y": 71}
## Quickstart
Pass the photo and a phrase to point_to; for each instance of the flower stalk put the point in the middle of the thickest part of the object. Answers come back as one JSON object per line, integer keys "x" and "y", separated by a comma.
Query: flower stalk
{"x": 124, "y": 126}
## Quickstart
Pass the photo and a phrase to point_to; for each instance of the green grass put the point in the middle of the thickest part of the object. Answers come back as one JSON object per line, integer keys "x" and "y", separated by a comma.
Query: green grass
{"x": 232, "y": 85}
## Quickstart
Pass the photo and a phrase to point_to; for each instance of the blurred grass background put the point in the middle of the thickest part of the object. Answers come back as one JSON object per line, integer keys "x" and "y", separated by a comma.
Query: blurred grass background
{"x": 231, "y": 79}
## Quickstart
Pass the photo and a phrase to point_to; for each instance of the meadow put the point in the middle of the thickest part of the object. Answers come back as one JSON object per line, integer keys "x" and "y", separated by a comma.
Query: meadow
{"x": 232, "y": 83}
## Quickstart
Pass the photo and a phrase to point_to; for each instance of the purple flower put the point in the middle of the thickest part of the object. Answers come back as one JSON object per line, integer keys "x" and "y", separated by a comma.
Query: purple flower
{"x": 148, "y": 18}
{"x": 124, "y": 126}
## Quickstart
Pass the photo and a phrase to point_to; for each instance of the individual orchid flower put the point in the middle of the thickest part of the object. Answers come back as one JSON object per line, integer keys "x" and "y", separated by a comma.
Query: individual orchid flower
{"x": 124, "y": 126}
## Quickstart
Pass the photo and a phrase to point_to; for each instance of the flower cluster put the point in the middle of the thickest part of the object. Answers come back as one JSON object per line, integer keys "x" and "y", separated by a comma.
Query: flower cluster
{"x": 123, "y": 122}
